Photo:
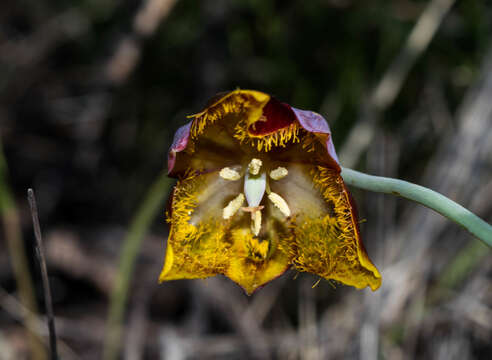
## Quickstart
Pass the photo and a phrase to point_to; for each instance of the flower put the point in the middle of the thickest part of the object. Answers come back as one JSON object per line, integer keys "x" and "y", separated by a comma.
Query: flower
{"x": 260, "y": 191}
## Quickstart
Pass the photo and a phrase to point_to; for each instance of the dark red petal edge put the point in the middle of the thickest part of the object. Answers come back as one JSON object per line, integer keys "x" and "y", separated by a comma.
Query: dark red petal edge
{"x": 278, "y": 116}
{"x": 355, "y": 214}
{"x": 180, "y": 141}
{"x": 315, "y": 123}
{"x": 309, "y": 120}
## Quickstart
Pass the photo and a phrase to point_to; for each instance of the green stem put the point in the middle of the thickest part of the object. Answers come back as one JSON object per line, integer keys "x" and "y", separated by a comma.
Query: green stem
{"x": 151, "y": 205}
{"x": 424, "y": 196}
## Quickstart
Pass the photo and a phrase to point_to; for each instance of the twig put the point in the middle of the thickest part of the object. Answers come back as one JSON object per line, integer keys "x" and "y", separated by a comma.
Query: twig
{"x": 393, "y": 79}
{"x": 457, "y": 168}
{"x": 17, "y": 311}
{"x": 44, "y": 273}
{"x": 131, "y": 247}
{"x": 17, "y": 253}
{"x": 424, "y": 196}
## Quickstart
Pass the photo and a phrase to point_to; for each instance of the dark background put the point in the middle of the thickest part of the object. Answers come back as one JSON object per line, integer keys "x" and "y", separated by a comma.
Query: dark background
{"x": 92, "y": 91}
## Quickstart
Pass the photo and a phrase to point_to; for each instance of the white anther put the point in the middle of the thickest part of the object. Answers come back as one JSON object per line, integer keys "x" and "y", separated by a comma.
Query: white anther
{"x": 280, "y": 203}
{"x": 229, "y": 174}
{"x": 256, "y": 222}
{"x": 254, "y": 166}
{"x": 233, "y": 206}
{"x": 278, "y": 173}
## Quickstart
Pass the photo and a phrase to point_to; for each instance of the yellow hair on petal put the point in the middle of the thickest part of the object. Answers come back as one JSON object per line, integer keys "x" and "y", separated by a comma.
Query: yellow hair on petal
{"x": 279, "y": 138}
{"x": 184, "y": 199}
{"x": 248, "y": 246}
{"x": 194, "y": 251}
{"x": 248, "y": 102}
{"x": 329, "y": 245}
{"x": 309, "y": 141}
{"x": 257, "y": 251}
{"x": 255, "y": 262}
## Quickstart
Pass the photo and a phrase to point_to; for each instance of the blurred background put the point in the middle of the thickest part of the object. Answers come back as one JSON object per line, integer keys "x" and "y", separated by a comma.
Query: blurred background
{"x": 91, "y": 92}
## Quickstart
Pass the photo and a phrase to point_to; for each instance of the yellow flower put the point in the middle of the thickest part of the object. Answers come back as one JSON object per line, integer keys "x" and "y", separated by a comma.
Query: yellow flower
{"x": 260, "y": 191}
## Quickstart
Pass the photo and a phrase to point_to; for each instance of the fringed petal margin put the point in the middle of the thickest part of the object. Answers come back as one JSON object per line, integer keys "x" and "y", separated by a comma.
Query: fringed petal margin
{"x": 329, "y": 244}
{"x": 195, "y": 248}
{"x": 246, "y": 103}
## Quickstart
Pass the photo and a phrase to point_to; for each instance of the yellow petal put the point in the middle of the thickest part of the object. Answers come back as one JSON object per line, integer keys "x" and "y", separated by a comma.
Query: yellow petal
{"x": 202, "y": 243}
{"x": 326, "y": 236}
{"x": 247, "y": 103}
{"x": 256, "y": 262}
{"x": 196, "y": 246}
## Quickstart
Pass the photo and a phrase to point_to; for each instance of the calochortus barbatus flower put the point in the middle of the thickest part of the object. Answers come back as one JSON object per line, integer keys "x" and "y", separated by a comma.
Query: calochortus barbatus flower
{"x": 260, "y": 191}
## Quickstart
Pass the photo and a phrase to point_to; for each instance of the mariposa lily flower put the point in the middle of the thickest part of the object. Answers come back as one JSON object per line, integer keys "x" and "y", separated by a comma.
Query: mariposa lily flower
{"x": 260, "y": 191}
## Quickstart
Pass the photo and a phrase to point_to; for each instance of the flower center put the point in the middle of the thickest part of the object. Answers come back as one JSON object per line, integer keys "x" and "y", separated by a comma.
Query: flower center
{"x": 255, "y": 186}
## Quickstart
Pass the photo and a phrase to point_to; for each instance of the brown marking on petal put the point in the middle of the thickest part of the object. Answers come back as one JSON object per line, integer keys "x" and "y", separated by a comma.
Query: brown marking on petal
{"x": 169, "y": 204}
{"x": 251, "y": 267}
{"x": 331, "y": 208}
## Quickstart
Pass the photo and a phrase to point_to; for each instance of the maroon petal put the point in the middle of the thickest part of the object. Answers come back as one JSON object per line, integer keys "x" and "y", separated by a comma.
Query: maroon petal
{"x": 315, "y": 123}
{"x": 180, "y": 142}
{"x": 276, "y": 116}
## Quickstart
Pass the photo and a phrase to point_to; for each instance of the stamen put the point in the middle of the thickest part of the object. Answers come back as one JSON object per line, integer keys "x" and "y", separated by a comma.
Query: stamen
{"x": 256, "y": 222}
{"x": 233, "y": 206}
{"x": 280, "y": 203}
{"x": 254, "y": 166}
{"x": 279, "y": 173}
{"x": 229, "y": 174}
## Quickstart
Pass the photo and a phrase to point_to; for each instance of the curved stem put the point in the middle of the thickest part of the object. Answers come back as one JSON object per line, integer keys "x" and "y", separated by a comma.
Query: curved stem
{"x": 424, "y": 196}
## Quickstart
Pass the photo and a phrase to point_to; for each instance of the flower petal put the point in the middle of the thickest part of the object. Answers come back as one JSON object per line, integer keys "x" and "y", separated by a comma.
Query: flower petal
{"x": 314, "y": 123}
{"x": 196, "y": 246}
{"x": 180, "y": 141}
{"x": 307, "y": 218}
{"x": 255, "y": 261}
{"x": 276, "y": 116}
{"x": 324, "y": 225}
{"x": 206, "y": 142}
{"x": 203, "y": 243}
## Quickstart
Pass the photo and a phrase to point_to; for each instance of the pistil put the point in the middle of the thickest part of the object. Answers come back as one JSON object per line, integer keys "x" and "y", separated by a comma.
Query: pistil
{"x": 254, "y": 166}
{"x": 255, "y": 186}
